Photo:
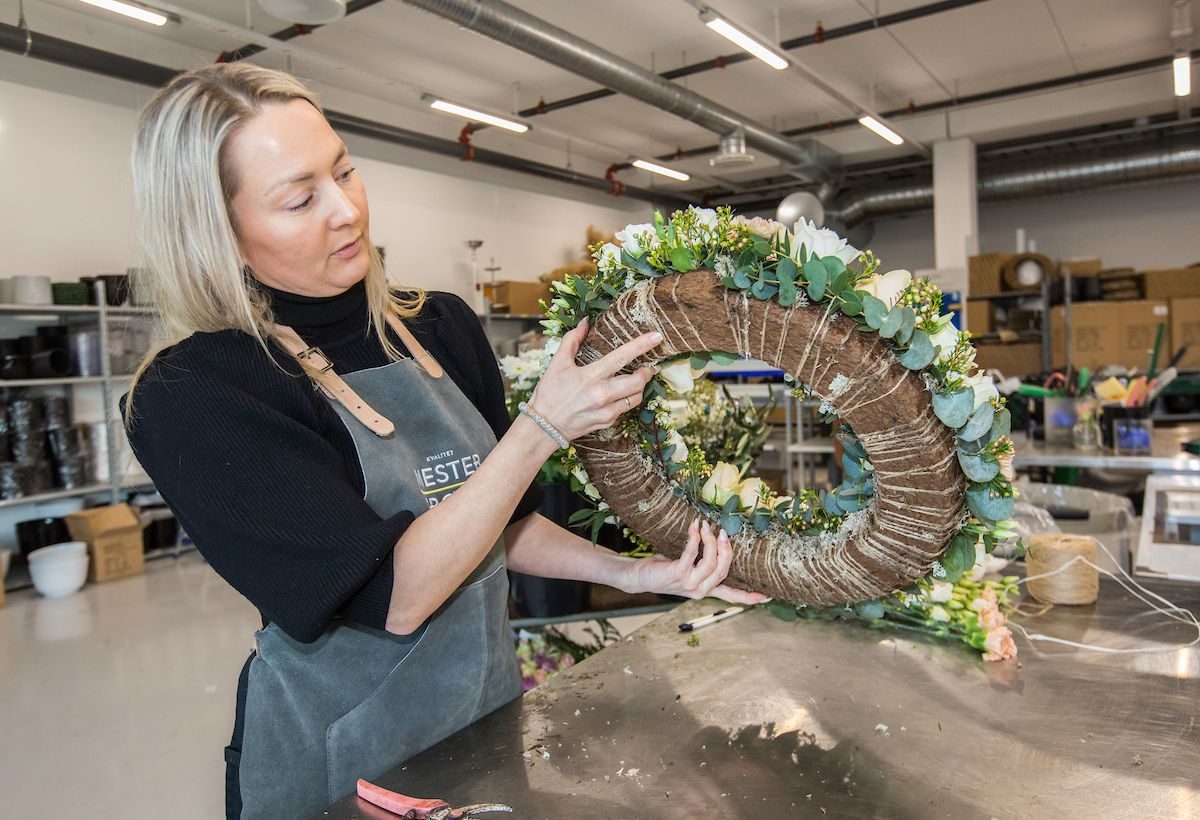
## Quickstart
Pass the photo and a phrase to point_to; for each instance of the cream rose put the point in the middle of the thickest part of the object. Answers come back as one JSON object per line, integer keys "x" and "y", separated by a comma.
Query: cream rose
{"x": 888, "y": 287}
{"x": 939, "y": 613}
{"x": 750, "y": 491}
{"x": 706, "y": 217}
{"x": 984, "y": 387}
{"x": 721, "y": 485}
{"x": 680, "y": 376}
{"x": 680, "y": 454}
{"x": 638, "y": 239}
{"x": 821, "y": 242}
{"x": 945, "y": 339}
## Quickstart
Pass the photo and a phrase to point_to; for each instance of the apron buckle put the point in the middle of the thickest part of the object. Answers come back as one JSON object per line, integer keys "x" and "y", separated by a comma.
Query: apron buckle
{"x": 316, "y": 358}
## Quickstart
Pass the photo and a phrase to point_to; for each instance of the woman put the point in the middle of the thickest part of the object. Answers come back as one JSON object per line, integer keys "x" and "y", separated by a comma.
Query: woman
{"x": 339, "y": 450}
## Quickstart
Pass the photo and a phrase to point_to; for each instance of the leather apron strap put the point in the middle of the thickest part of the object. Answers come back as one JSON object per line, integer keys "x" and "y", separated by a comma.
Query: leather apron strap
{"x": 332, "y": 385}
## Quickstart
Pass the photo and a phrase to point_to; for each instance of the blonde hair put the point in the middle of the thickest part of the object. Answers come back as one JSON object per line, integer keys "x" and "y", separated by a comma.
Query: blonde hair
{"x": 189, "y": 267}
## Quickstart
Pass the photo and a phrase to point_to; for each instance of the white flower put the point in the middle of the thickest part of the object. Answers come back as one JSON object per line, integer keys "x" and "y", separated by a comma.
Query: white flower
{"x": 887, "y": 287}
{"x": 821, "y": 242}
{"x": 945, "y": 338}
{"x": 680, "y": 454}
{"x": 984, "y": 387}
{"x": 766, "y": 228}
{"x": 705, "y": 217}
{"x": 939, "y": 613}
{"x": 721, "y": 485}
{"x": 608, "y": 258}
{"x": 941, "y": 592}
{"x": 638, "y": 239}
{"x": 630, "y": 280}
{"x": 980, "y": 568}
{"x": 553, "y": 344}
{"x": 677, "y": 409}
{"x": 749, "y": 491}
{"x": 724, "y": 266}
{"x": 680, "y": 376}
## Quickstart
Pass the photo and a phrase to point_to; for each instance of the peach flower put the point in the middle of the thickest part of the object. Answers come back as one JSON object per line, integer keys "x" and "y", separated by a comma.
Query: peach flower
{"x": 999, "y": 645}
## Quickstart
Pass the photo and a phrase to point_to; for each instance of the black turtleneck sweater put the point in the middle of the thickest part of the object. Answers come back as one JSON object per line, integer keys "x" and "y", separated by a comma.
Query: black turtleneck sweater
{"x": 263, "y": 475}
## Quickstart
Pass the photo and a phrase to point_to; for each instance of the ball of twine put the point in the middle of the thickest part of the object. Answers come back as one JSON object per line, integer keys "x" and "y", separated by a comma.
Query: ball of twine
{"x": 1050, "y": 552}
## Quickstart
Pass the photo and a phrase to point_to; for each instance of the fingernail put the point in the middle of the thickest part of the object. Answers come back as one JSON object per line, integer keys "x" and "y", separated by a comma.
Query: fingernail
{"x": 656, "y": 337}
{"x": 656, "y": 368}
{"x": 696, "y": 522}
{"x": 706, "y": 527}
{"x": 724, "y": 536}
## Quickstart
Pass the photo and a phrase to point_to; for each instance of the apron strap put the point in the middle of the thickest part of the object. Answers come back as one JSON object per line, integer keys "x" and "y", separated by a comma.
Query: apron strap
{"x": 427, "y": 362}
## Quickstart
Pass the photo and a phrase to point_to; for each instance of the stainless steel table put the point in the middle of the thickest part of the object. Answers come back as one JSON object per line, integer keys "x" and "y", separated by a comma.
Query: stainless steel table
{"x": 1165, "y": 456}
{"x": 768, "y": 719}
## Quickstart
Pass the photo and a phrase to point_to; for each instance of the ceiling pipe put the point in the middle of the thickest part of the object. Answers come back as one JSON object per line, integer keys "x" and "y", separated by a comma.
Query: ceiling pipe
{"x": 726, "y": 60}
{"x": 509, "y": 25}
{"x": 1112, "y": 169}
{"x": 86, "y": 58}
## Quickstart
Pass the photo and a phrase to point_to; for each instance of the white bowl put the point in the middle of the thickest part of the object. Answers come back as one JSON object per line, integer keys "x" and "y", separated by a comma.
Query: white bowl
{"x": 32, "y": 290}
{"x": 60, "y": 569}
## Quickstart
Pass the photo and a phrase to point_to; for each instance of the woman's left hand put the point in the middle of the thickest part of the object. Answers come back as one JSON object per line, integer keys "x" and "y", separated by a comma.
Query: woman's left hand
{"x": 688, "y": 577}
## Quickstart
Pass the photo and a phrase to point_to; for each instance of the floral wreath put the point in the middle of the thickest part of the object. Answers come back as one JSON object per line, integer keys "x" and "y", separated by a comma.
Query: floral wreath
{"x": 927, "y": 457}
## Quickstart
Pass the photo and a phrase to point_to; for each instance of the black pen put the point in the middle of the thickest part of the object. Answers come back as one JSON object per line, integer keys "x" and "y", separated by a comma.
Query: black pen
{"x": 719, "y": 615}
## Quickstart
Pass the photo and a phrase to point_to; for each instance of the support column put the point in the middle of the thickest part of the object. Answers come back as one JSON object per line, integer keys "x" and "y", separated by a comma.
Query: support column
{"x": 955, "y": 205}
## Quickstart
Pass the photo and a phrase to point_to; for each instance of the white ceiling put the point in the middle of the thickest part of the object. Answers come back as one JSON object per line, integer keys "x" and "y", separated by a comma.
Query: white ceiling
{"x": 978, "y": 48}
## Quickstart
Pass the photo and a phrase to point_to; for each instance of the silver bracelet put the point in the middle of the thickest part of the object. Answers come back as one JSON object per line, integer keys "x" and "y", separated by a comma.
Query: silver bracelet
{"x": 549, "y": 428}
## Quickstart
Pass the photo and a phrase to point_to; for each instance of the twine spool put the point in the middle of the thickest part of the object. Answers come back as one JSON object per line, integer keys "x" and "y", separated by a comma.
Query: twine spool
{"x": 1077, "y": 584}
{"x": 1022, "y": 271}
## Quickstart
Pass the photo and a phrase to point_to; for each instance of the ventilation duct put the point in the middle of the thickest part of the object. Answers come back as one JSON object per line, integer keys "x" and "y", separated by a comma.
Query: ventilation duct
{"x": 732, "y": 151}
{"x": 509, "y": 25}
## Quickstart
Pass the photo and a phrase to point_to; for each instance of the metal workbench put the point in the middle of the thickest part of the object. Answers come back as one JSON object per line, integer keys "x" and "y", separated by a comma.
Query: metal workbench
{"x": 1166, "y": 455}
{"x": 769, "y": 719}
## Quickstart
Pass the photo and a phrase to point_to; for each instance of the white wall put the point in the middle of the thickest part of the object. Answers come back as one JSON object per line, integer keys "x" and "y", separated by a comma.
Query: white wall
{"x": 65, "y": 211}
{"x": 1153, "y": 226}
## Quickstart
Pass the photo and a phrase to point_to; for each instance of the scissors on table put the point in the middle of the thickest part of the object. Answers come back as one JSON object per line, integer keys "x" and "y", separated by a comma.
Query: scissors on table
{"x": 416, "y": 808}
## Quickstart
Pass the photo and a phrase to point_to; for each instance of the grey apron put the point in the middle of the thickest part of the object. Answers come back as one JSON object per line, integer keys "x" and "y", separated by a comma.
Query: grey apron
{"x": 358, "y": 701}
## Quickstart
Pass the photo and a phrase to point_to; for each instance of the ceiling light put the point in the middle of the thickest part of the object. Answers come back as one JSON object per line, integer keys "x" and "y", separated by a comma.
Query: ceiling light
{"x": 1183, "y": 75}
{"x": 881, "y": 129}
{"x": 742, "y": 39}
{"x": 136, "y": 12}
{"x": 308, "y": 12}
{"x": 474, "y": 114}
{"x": 660, "y": 169}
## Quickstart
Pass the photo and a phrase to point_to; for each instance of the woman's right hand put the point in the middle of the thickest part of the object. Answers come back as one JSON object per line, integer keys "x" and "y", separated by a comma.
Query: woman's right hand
{"x": 580, "y": 400}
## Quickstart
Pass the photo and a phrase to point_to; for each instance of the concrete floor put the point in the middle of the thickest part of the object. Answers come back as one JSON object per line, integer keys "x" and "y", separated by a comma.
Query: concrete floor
{"x": 116, "y": 702}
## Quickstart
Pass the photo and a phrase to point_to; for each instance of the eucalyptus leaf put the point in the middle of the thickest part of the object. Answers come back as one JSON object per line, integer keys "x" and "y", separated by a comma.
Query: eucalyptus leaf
{"x": 731, "y": 505}
{"x": 741, "y": 278}
{"x": 874, "y": 310}
{"x": 1001, "y": 425}
{"x": 986, "y": 506}
{"x": 833, "y": 266}
{"x": 678, "y": 492}
{"x": 732, "y": 524}
{"x": 959, "y": 558}
{"x": 646, "y": 417}
{"x": 668, "y": 451}
{"x": 852, "y": 445}
{"x": 871, "y": 610}
{"x": 852, "y": 303}
{"x": 700, "y": 361}
{"x": 786, "y": 268}
{"x": 760, "y": 246}
{"x": 783, "y": 610}
{"x": 787, "y": 282}
{"x": 980, "y": 423}
{"x": 840, "y": 280}
{"x": 682, "y": 259}
{"x": 763, "y": 290}
{"x": 723, "y": 358}
{"x": 977, "y": 468}
{"x": 817, "y": 277}
{"x": 761, "y": 520}
{"x": 920, "y": 352}
{"x": 852, "y": 467}
{"x": 830, "y": 503}
{"x": 891, "y": 323}
{"x": 954, "y": 408}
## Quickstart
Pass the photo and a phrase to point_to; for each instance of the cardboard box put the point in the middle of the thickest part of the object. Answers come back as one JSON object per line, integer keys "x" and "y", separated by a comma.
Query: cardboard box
{"x": 981, "y": 317}
{"x": 1104, "y": 333}
{"x": 1185, "y": 330}
{"x": 1175, "y": 283}
{"x": 1089, "y": 266}
{"x": 114, "y": 538}
{"x": 516, "y": 297}
{"x": 983, "y": 273}
{"x": 1016, "y": 359}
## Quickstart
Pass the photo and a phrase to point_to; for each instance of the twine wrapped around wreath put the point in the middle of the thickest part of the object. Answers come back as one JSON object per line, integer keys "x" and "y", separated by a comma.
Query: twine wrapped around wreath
{"x": 919, "y": 486}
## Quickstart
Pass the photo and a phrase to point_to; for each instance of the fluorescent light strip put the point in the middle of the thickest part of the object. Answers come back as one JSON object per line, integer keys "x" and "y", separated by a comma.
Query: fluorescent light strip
{"x": 1183, "y": 75}
{"x": 659, "y": 169}
{"x": 746, "y": 43}
{"x": 136, "y": 12}
{"x": 881, "y": 129}
{"x": 478, "y": 116}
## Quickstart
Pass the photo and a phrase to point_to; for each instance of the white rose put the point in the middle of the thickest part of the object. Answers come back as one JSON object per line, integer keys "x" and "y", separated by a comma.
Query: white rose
{"x": 759, "y": 226}
{"x": 749, "y": 491}
{"x": 680, "y": 454}
{"x": 784, "y": 502}
{"x": 721, "y": 485}
{"x": 638, "y": 239}
{"x": 821, "y": 242}
{"x": 552, "y": 345}
{"x": 941, "y": 592}
{"x": 705, "y": 217}
{"x": 608, "y": 257}
{"x": 984, "y": 387}
{"x": 888, "y": 287}
{"x": 678, "y": 408}
{"x": 939, "y": 613}
{"x": 945, "y": 339}
{"x": 680, "y": 376}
